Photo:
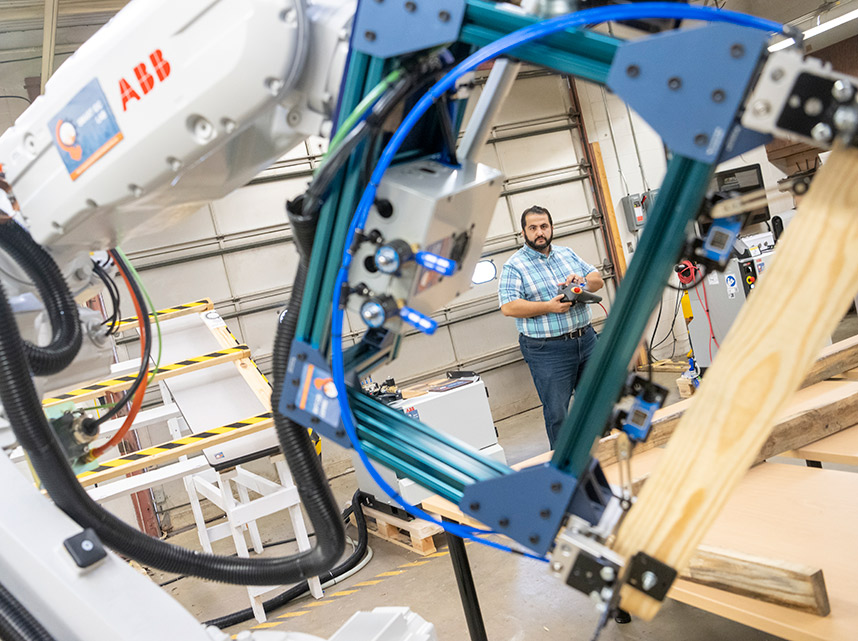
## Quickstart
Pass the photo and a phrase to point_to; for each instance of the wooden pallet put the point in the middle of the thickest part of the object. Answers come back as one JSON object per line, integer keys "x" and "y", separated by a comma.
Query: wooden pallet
{"x": 417, "y": 535}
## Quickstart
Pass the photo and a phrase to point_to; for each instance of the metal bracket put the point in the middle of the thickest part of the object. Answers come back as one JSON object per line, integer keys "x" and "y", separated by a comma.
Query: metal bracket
{"x": 650, "y": 576}
{"x": 689, "y": 86}
{"x": 309, "y": 397}
{"x": 387, "y": 28}
{"x": 528, "y": 506}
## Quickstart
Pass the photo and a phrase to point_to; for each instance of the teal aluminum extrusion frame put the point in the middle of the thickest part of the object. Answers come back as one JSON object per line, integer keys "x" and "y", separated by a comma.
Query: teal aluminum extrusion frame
{"x": 436, "y": 461}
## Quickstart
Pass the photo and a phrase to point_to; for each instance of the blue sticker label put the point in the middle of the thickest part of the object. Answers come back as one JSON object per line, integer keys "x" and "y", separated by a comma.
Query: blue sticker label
{"x": 85, "y": 130}
{"x": 317, "y": 395}
{"x": 731, "y": 280}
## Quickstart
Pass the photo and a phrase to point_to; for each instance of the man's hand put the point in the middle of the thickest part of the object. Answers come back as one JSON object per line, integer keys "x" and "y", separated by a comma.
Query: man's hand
{"x": 574, "y": 278}
{"x": 558, "y": 306}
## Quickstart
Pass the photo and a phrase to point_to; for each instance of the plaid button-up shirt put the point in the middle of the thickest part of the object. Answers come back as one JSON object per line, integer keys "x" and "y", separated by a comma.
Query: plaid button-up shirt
{"x": 530, "y": 275}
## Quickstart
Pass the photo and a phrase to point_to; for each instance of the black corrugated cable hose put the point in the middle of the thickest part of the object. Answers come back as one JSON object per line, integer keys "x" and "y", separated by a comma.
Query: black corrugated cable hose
{"x": 229, "y": 620}
{"x": 16, "y": 622}
{"x": 66, "y": 335}
{"x": 21, "y": 402}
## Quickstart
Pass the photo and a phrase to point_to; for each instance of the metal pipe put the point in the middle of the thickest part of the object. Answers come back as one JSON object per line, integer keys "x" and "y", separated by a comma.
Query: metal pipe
{"x": 501, "y": 79}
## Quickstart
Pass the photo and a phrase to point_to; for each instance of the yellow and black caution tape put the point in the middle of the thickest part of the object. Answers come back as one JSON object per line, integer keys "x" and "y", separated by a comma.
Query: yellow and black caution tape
{"x": 156, "y": 454}
{"x": 96, "y": 390}
{"x": 197, "y": 306}
{"x": 173, "y": 450}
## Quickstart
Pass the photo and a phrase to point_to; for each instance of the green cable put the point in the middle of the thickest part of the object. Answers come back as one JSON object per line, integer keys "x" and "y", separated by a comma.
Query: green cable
{"x": 359, "y": 111}
{"x": 153, "y": 313}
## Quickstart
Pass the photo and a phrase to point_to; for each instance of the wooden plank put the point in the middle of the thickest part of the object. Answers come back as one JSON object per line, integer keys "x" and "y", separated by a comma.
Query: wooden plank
{"x": 173, "y": 450}
{"x": 768, "y": 352}
{"x": 811, "y": 414}
{"x": 97, "y": 390}
{"x": 247, "y": 367}
{"x": 666, "y": 365}
{"x": 197, "y": 307}
{"x": 833, "y": 360}
{"x": 600, "y": 183}
{"x": 416, "y": 535}
{"x": 841, "y": 448}
{"x": 793, "y": 585}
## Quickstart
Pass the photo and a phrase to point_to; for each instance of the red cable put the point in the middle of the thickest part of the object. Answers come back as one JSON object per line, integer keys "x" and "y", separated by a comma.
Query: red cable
{"x": 138, "y": 395}
{"x": 711, "y": 331}
{"x": 603, "y": 309}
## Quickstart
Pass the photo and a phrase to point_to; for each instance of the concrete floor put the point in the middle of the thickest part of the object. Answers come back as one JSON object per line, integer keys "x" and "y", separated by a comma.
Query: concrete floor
{"x": 519, "y": 600}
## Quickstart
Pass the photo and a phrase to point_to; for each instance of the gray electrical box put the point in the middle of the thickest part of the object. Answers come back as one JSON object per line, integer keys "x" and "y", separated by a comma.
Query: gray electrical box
{"x": 634, "y": 211}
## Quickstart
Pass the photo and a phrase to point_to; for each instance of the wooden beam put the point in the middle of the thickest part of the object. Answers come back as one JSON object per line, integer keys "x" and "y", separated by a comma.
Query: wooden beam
{"x": 784, "y": 583}
{"x": 197, "y": 307}
{"x": 829, "y": 409}
{"x": 833, "y": 360}
{"x": 173, "y": 450}
{"x": 97, "y": 390}
{"x": 767, "y": 354}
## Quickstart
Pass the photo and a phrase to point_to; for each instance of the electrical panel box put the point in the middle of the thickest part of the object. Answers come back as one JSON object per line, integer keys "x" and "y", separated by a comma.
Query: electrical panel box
{"x": 634, "y": 211}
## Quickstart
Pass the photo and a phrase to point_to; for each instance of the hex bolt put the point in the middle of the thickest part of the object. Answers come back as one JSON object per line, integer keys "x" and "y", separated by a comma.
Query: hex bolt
{"x": 701, "y": 139}
{"x": 534, "y": 538}
{"x": 777, "y": 74}
{"x": 370, "y": 35}
{"x": 718, "y": 95}
{"x": 290, "y": 406}
{"x": 475, "y": 506}
{"x": 821, "y": 131}
{"x": 813, "y": 106}
{"x": 674, "y": 83}
{"x": 737, "y": 50}
{"x": 633, "y": 71}
{"x": 794, "y": 101}
{"x": 846, "y": 119}
{"x": 608, "y": 574}
{"x": 302, "y": 357}
{"x": 761, "y": 108}
{"x": 504, "y": 522}
{"x": 296, "y": 382}
{"x": 545, "y": 513}
{"x": 557, "y": 566}
{"x": 410, "y": 7}
{"x": 842, "y": 91}
{"x": 556, "y": 487}
{"x": 314, "y": 420}
{"x": 444, "y": 16}
{"x": 648, "y": 580}
{"x": 86, "y": 545}
{"x": 341, "y": 433}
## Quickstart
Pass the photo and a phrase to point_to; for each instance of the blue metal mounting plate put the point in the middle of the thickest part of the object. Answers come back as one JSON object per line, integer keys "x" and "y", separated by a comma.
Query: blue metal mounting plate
{"x": 386, "y": 28}
{"x": 528, "y": 506}
{"x": 689, "y": 85}
{"x": 309, "y": 396}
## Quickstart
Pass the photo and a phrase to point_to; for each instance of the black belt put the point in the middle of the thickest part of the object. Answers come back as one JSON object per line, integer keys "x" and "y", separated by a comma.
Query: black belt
{"x": 575, "y": 333}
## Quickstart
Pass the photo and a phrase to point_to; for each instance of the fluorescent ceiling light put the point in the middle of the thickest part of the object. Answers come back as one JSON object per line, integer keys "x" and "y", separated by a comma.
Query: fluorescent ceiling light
{"x": 815, "y": 31}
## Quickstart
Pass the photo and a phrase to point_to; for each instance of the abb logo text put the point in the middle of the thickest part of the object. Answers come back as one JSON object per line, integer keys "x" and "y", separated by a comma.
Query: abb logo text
{"x": 145, "y": 79}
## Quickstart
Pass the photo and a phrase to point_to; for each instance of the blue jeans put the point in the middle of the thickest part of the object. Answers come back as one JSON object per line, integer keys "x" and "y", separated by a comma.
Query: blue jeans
{"x": 556, "y": 365}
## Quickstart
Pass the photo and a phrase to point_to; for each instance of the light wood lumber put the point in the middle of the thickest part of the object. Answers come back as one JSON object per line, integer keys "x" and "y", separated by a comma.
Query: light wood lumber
{"x": 173, "y": 454}
{"x": 203, "y": 305}
{"x": 840, "y": 448}
{"x": 160, "y": 375}
{"x": 768, "y": 352}
{"x": 834, "y": 360}
{"x": 793, "y": 585}
{"x": 247, "y": 367}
